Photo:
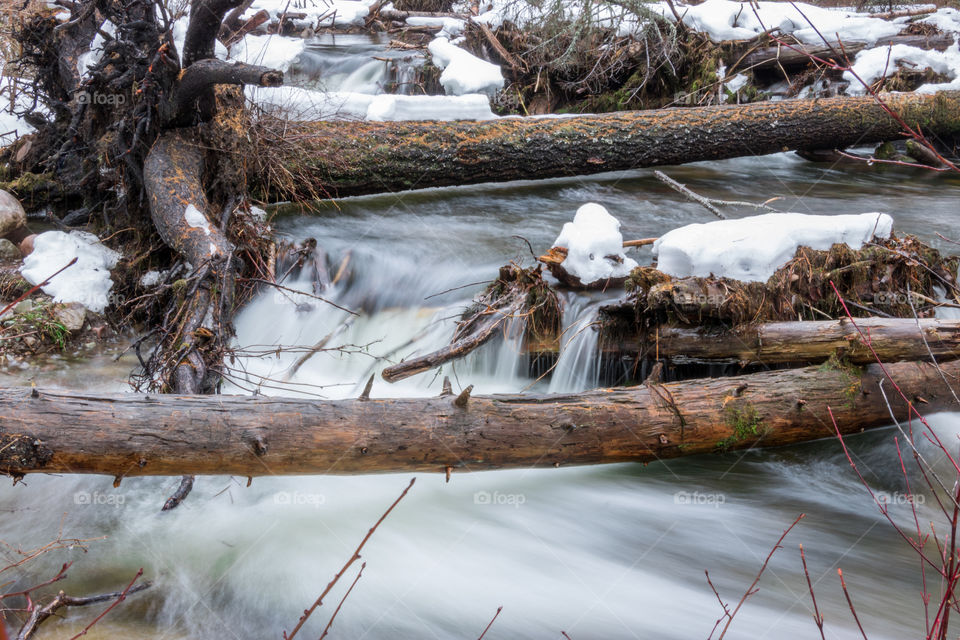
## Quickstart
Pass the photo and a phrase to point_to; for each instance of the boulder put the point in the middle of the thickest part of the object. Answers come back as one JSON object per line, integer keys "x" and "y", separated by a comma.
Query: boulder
{"x": 12, "y": 215}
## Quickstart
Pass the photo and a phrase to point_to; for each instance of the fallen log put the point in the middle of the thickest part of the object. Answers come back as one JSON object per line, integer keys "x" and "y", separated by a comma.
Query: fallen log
{"x": 46, "y": 430}
{"x": 324, "y": 157}
{"x": 893, "y": 339}
{"x": 800, "y": 55}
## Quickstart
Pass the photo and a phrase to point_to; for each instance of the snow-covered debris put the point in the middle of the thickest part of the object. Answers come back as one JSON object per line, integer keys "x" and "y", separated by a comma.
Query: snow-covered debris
{"x": 303, "y": 104}
{"x": 463, "y": 72}
{"x": 87, "y": 282}
{"x": 276, "y": 52}
{"x": 872, "y": 64}
{"x": 727, "y": 20}
{"x": 946, "y": 19}
{"x": 752, "y": 249}
{"x": 324, "y": 13}
{"x": 593, "y": 235}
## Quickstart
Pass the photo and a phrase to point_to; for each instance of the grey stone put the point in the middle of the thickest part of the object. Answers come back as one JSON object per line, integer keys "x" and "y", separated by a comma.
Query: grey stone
{"x": 9, "y": 252}
{"x": 71, "y": 316}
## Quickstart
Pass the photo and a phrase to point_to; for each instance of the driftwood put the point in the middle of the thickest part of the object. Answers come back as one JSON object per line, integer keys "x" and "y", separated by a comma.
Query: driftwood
{"x": 799, "y": 55}
{"x": 45, "y": 430}
{"x": 373, "y": 157}
{"x": 893, "y": 339}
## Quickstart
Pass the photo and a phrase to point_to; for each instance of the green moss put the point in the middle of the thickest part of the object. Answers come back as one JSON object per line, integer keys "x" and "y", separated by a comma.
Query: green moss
{"x": 745, "y": 422}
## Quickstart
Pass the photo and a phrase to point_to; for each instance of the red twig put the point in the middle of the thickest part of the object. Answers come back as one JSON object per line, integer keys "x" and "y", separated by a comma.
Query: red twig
{"x": 35, "y": 287}
{"x": 751, "y": 589}
{"x": 120, "y": 598}
{"x": 817, "y": 617}
{"x": 850, "y": 603}
{"x": 490, "y": 624}
{"x": 356, "y": 556}
{"x": 326, "y": 629}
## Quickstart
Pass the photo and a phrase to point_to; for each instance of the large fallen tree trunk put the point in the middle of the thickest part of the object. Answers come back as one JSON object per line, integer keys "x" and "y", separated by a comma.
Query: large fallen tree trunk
{"x": 373, "y": 157}
{"x": 136, "y": 434}
{"x": 800, "y": 54}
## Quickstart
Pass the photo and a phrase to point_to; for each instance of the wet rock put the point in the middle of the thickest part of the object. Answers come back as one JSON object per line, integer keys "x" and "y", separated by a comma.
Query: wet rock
{"x": 9, "y": 251}
{"x": 26, "y": 245}
{"x": 12, "y": 215}
{"x": 71, "y": 315}
{"x": 24, "y": 306}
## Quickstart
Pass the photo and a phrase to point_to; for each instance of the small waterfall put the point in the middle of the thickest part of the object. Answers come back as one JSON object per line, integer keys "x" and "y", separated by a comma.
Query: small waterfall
{"x": 354, "y": 63}
{"x": 578, "y": 364}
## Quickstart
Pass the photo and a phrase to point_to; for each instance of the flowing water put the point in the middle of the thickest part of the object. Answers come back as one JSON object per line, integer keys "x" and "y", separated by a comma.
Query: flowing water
{"x": 614, "y": 551}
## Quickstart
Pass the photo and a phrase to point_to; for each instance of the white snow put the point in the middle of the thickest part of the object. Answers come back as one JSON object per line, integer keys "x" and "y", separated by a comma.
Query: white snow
{"x": 196, "y": 219}
{"x": 872, "y": 64}
{"x": 87, "y": 282}
{"x": 593, "y": 235}
{"x": 463, "y": 72}
{"x": 150, "y": 278}
{"x": 90, "y": 57}
{"x": 303, "y": 104}
{"x": 276, "y": 52}
{"x": 752, "y": 249}
{"x": 323, "y": 13}
{"x": 727, "y": 20}
{"x": 472, "y": 106}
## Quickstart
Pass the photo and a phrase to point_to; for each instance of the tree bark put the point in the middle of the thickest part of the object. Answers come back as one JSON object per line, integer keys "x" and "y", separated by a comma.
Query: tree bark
{"x": 799, "y": 55}
{"x": 135, "y": 434}
{"x": 373, "y": 157}
{"x": 893, "y": 340}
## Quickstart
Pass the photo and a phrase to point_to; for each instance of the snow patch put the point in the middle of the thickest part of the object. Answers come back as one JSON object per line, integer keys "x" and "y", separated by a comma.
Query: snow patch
{"x": 472, "y": 106}
{"x": 752, "y": 249}
{"x": 196, "y": 219}
{"x": 276, "y": 52}
{"x": 150, "y": 278}
{"x": 87, "y": 282}
{"x": 728, "y": 20}
{"x": 303, "y": 104}
{"x": 463, "y": 72}
{"x": 593, "y": 235}
{"x": 873, "y": 64}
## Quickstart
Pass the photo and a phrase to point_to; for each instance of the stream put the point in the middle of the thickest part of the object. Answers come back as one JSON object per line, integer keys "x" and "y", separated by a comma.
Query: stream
{"x": 615, "y": 551}
{"x": 612, "y": 551}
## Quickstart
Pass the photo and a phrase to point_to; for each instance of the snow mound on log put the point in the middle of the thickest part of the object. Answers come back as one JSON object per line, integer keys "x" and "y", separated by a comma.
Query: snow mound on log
{"x": 87, "y": 282}
{"x": 463, "y": 72}
{"x": 752, "y": 249}
{"x": 593, "y": 235}
{"x": 321, "y": 14}
{"x": 303, "y": 104}
{"x": 727, "y": 20}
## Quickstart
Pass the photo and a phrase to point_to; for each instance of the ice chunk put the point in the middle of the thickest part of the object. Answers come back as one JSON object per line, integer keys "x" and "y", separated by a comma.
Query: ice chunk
{"x": 462, "y": 72}
{"x": 593, "y": 235}
{"x": 752, "y": 249}
{"x": 87, "y": 282}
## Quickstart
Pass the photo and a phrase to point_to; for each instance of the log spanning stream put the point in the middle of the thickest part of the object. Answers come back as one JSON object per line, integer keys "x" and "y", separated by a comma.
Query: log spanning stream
{"x": 613, "y": 551}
